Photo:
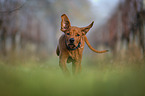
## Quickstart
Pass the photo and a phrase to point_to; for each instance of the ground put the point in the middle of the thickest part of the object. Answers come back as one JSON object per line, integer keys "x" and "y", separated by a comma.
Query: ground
{"x": 99, "y": 77}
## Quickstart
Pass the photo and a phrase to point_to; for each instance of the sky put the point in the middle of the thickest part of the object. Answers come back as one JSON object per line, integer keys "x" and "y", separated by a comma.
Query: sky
{"x": 103, "y": 9}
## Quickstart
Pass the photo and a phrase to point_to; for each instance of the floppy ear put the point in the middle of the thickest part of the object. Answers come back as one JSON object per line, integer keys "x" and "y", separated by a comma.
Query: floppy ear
{"x": 65, "y": 23}
{"x": 86, "y": 29}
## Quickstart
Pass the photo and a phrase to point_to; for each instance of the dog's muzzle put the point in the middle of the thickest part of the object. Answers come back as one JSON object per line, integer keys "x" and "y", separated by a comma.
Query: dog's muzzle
{"x": 71, "y": 40}
{"x": 71, "y": 46}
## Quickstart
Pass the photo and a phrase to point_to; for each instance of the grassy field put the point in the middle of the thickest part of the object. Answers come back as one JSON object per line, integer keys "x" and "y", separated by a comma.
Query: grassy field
{"x": 99, "y": 77}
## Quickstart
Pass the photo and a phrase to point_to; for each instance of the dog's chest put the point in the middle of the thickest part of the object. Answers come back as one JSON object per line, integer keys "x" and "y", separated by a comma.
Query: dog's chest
{"x": 74, "y": 54}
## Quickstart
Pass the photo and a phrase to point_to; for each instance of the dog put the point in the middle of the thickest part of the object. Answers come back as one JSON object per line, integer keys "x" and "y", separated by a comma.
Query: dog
{"x": 71, "y": 45}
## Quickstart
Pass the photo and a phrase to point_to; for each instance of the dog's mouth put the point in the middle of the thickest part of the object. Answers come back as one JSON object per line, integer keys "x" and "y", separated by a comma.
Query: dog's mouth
{"x": 72, "y": 46}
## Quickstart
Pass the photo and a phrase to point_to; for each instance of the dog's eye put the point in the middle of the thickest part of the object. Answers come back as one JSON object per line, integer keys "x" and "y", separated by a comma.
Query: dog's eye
{"x": 68, "y": 33}
{"x": 78, "y": 34}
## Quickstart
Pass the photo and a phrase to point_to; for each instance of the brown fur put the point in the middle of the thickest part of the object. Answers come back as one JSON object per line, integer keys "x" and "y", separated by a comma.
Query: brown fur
{"x": 67, "y": 55}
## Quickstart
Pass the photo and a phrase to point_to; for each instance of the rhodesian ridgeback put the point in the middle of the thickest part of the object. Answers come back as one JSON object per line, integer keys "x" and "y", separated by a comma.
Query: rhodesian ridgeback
{"x": 71, "y": 45}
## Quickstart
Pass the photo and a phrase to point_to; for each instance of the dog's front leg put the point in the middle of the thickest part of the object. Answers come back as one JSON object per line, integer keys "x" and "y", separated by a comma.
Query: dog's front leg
{"x": 62, "y": 63}
{"x": 76, "y": 67}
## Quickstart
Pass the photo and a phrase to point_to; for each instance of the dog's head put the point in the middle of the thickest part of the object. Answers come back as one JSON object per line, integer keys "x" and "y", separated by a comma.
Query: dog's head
{"x": 73, "y": 34}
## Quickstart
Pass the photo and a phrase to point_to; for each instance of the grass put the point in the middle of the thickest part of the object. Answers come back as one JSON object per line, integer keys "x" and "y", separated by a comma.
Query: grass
{"x": 99, "y": 77}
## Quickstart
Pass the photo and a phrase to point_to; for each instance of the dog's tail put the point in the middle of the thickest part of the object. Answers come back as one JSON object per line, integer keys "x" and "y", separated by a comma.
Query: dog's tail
{"x": 89, "y": 45}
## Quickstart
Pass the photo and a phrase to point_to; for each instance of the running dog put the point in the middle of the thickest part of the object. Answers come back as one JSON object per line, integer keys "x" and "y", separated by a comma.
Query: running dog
{"x": 71, "y": 45}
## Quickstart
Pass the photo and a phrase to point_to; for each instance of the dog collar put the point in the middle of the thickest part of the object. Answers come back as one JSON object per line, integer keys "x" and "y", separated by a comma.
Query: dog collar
{"x": 79, "y": 44}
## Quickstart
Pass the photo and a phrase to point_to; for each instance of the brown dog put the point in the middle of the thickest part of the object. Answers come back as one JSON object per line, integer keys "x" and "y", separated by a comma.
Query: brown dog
{"x": 71, "y": 45}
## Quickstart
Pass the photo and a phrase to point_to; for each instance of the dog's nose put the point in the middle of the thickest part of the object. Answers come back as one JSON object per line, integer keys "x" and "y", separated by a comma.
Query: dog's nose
{"x": 71, "y": 40}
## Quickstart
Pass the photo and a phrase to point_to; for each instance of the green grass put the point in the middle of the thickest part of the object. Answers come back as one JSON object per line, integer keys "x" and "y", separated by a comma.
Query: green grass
{"x": 98, "y": 78}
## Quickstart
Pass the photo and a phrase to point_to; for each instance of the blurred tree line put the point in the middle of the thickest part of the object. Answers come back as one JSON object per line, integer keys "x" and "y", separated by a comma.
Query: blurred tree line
{"x": 124, "y": 30}
{"x": 33, "y": 28}
{"x": 30, "y": 29}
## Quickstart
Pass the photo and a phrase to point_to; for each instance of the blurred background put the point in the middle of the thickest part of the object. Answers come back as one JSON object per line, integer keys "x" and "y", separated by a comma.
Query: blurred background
{"x": 31, "y": 28}
{"x": 29, "y": 33}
